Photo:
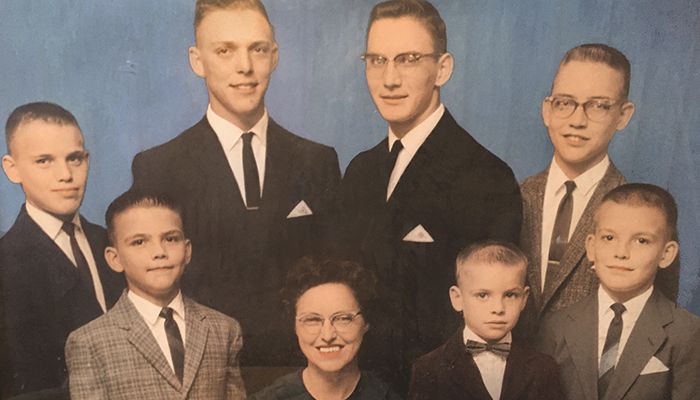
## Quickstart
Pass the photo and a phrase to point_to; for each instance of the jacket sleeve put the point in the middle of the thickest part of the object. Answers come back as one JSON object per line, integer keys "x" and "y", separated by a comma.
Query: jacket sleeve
{"x": 86, "y": 376}
{"x": 234, "y": 383}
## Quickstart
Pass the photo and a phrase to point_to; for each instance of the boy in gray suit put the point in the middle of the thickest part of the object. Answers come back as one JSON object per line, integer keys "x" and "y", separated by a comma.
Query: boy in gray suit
{"x": 155, "y": 343}
{"x": 626, "y": 340}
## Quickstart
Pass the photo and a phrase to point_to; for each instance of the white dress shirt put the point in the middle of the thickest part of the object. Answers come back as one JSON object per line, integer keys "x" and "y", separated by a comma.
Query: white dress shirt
{"x": 411, "y": 143}
{"x": 491, "y": 366}
{"x": 633, "y": 308}
{"x": 555, "y": 191}
{"x": 151, "y": 315}
{"x": 229, "y": 136}
{"x": 52, "y": 226}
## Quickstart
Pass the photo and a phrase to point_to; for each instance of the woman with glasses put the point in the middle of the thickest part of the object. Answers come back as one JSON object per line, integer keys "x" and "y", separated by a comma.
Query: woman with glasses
{"x": 328, "y": 299}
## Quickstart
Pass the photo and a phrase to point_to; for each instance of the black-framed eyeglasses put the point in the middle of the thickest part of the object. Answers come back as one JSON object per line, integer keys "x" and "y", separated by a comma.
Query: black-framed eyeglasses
{"x": 340, "y": 321}
{"x": 595, "y": 109}
{"x": 403, "y": 61}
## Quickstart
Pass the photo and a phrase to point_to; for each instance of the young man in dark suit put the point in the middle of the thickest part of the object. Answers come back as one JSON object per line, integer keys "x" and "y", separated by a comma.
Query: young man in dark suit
{"x": 480, "y": 362}
{"x": 255, "y": 197}
{"x": 627, "y": 340}
{"x": 588, "y": 104}
{"x": 54, "y": 276}
{"x": 409, "y": 204}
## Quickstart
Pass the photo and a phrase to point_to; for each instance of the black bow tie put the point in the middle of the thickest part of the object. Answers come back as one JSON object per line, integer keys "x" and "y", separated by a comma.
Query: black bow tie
{"x": 499, "y": 349}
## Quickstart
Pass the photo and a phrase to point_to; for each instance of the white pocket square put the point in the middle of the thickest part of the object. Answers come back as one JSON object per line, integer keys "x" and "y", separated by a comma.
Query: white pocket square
{"x": 419, "y": 235}
{"x": 300, "y": 210}
{"x": 653, "y": 366}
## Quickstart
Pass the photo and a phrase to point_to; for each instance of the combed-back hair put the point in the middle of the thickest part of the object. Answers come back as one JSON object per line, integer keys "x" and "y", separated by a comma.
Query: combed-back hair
{"x": 42, "y": 110}
{"x": 491, "y": 252}
{"x": 602, "y": 53}
{"x": 135, "y": 198}
{"x": 421, "y": 10}
{"x": 310, "y": 272}
{"x": 646, "y": 195}
{"x": 202, "y": 7}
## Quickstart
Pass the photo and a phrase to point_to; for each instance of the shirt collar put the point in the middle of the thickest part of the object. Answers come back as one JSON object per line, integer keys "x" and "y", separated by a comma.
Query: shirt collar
{"x": 150, "y": 312}
{"x": 49, "y": 223}
{"x": 633, "y": 306}
{"x": 414, "y": 138}
{"x": 468, "y": 334}
{"x": 584, "y": 182}
{"x": 229, "y": 133}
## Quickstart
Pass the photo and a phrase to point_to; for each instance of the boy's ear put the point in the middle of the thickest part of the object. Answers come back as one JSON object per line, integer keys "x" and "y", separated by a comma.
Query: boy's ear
{"x": 546, "y": 112}
{"x": 9, "y": 166}
{"x": 188, "y": 251}
{"x": 590, "y": 248}
{"x": 670, "y": 252}
{"x": 456, "y": 298}
{"x": 526, "y": 296}
{"x": 626, "y": 113}
{"x": 112, "y": 257}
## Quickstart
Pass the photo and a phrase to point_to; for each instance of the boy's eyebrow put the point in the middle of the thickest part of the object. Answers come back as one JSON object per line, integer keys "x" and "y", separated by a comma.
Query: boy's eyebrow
{"x": 173, "y": 231}
{"x": 134, "y": 236}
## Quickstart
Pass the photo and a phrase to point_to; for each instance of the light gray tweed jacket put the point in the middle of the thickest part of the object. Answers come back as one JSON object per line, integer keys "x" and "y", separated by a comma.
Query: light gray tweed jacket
{"x": 116, "y": 357}
{"x": 574, "y": 279}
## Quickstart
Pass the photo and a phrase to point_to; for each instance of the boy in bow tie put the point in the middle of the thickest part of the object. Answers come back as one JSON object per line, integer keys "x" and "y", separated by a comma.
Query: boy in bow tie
{"x": 479, "y": 362}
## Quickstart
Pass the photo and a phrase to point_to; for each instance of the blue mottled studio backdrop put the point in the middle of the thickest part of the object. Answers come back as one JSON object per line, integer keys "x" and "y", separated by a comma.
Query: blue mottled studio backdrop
{"x": 121, "y": 67}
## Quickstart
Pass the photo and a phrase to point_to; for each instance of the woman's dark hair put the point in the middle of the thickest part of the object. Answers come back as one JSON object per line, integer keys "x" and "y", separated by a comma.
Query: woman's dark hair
{"x": 310, "y": 272}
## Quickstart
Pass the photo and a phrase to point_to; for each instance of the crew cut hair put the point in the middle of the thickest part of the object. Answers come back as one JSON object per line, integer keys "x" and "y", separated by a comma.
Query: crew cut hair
{"x": 602, "y": 53}
{"x": 646, "y": 195}
{"x": 132, "y": 199}
{"x": 421, "y": 10}
{"x": 491, "y": 252}
{"x": 45, "y": 111}
{"x": 202, "y": 7}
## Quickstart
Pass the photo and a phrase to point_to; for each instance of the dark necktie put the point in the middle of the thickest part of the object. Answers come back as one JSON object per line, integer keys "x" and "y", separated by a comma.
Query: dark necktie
{"x": 560, "y": 233}
{"x": 499, "y": 349}
{"x": 610, "y": 350}
{"x": 80, "y": 261}
{"x": 250, "y": 174}
{"x": 177, "y": 349}
{"x": 391, "y": 160}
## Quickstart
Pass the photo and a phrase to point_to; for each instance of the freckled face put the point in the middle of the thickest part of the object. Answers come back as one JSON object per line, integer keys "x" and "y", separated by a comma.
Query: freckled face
{"x": 490, "y": 297}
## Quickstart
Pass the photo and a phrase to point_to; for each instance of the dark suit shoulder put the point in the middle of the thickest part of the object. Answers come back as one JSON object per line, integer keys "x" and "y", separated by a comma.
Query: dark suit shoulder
{"x": 539, "y": 362}
{"x": 215, "y": 318}
{"x": 178, "y": 144}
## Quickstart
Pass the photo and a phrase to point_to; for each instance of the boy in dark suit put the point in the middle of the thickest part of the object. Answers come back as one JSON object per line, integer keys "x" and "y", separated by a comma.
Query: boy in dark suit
{"x": 155, "y": 343}
{"x": 54, "y": 276}
{"x": 479, "y": 362}
{"x": 628, "y": 341}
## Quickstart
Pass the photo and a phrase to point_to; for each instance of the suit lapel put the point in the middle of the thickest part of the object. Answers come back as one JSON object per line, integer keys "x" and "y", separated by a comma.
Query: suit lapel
{"x": 646, "y": 338}
{"x": 581, "y": 339}
{"x": 195, "y": 343}
{"x": 535, "y": 271}
{"x": 462, "y": 370}
{"x": 576, "y": 248}
{"x": 129, "y": 319}
{"x": 61, "y": 272}
{"x": 279, "y": 156}
{"x": 516, "y": 376}
{"x": 213, "y": 170}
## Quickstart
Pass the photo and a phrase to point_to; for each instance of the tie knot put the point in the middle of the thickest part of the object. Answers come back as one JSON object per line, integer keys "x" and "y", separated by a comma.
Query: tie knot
{"x": 396, "y": 147}
{"x": 247, "y": 137}
{"x": 167, "y": 313}
{"x": 69, "y": 228}
{"x": 570, "y": 186}
{"x": 618, "y": 309}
